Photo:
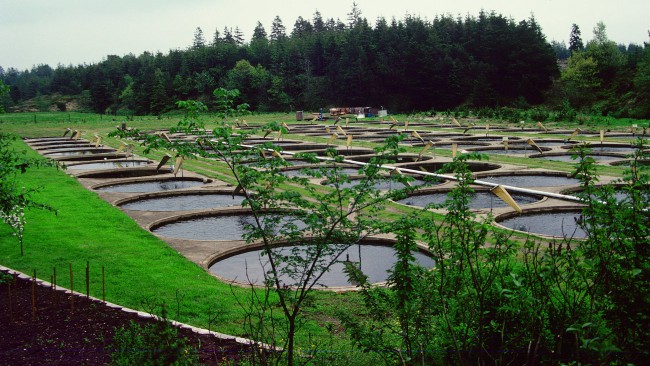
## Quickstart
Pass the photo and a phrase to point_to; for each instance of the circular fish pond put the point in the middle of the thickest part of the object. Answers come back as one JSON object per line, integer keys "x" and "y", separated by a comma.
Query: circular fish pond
{"x": 642, "y": 162}
{"x": 373, "y": 259}
{"x": 228, "y": 226}
{"x": 460, "y": 146}
{"x": 560, "y": 223}
{"x": 370, "y": 138}
{"x": 568, "y": 158}
{"x": 447, "y": 135}
{"x": 60, "y": 145}
{"x": 432, "y": 167}
{"x": 619, "y": 194}
{"x": 112, "y": 164}
{"x": 46, "y": 140}
{"x": 343, "y": 151}
{"x": 531, "y": 180}
{"x": 478, "y": 200}
{"x": 76, "y": 151}
{"x": 392, "y": 159}
{"x": 542, "y": 143}
{"x": 92, "y": 157}
{"x": 303, "y": 172}
{"x": 283, "y": 145}
{"x": 152, "y": 185}
{"x": 387, "y": 185}
{"x": 298, "y": 162}
{"x": 611, "y": 149}
{"x": 511, "y": 150}
{"x": 124, "y": 173}
{"x": 182, "y": 202}
{"x": 486, "y": 138}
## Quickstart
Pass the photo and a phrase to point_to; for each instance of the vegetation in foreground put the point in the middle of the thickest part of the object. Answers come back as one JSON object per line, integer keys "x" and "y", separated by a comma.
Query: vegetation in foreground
{"x": 578, "y": 290}
{"x": 489, "y": 300}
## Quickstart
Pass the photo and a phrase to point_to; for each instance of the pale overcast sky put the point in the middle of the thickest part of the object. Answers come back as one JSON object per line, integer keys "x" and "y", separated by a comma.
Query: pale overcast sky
{"x": 73, "y": 32}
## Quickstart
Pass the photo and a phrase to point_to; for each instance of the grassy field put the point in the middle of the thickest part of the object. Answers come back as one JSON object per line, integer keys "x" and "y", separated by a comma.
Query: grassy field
{"x": 140, "y": 268}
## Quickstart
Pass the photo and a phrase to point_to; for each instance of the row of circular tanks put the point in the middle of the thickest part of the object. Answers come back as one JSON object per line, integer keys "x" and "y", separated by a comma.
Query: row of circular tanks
{"x": 202, "y": 219}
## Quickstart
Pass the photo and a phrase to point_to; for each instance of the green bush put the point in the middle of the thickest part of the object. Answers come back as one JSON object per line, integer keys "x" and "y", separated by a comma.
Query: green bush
{"x": 538, "y": 114}
{"x": 566, "y": 112}
{"x": 152, "y": 344}
{"x": 491, "y": 300}
{"x": 512, "y": 115}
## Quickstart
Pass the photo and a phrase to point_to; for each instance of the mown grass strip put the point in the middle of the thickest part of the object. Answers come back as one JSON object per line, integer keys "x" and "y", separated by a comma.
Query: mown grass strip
{"x": 140, "y": 268}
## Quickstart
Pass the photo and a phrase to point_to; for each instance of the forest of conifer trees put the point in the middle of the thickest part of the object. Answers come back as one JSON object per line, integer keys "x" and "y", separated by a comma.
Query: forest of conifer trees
{"x": 404, "y": 65}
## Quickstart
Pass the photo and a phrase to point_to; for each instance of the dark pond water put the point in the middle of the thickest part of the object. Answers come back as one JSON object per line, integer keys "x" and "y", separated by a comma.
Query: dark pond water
{"x": 51, "y": 139}
{"x": 109, "y": 165}
{"x": 297, "y": 162}
{"x": 619, "y": 195}
{"x": 461, "y": 146}
{"x": 567, "y": 158}
{"x": 549, "y": 223}
{"x": 60, "y": 145}
{"x": 386, "y": 185}
{"x": 152, "y": 186}
{"x": 79, "y": 152}
{"x": 531, "y": 180}
{"x": 552, "y": 144}
{"x": 301, "y": 173}
{"x": 478, "y": 199}
{"x": 611, "y": 149}
{"x": 510, "y": 151}
{"x": 391, "y": 159}
{"x": 375, "y": 261}
{"x": 436, "y": 166}
{"x": 184, "y": 202}
{"x": 628, "y": 162}
{"x": 489, "y": 138}
{"x": 223, "y": 227}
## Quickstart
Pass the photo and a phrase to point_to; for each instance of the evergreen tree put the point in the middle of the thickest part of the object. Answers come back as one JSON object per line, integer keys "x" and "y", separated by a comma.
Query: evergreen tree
{"x": 354, "y": 16}
{"x": 575, "y": 41}
{"x": 642, "y": 85}
{"x": 4, "y": 90}
{"x": 259, "y": 33}
{"x": 278, "y": 30}
{"x": 216, "y": 39}
{"x": 259, "y": 47}
{"x": 100, "y": 92}
{"x": 238, "y": 36}
{"x": 127, "y": 96}
{"x": 408, "y": 64}
{"x": 228, "y": 37}
{"x": 319, "y": 25}
{"x": 301, "y": 28}
{"x": 199, "y": 40}
{"x": 561, "y": 51}
{"x": 159, "y": 99}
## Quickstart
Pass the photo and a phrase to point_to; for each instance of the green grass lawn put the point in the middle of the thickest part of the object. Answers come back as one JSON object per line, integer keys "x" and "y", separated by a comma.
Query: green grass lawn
{"x": 139, "y": 267}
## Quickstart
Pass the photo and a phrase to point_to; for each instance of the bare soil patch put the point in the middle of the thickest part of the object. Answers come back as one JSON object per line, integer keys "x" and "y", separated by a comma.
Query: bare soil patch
{"x": 52, "y": 333}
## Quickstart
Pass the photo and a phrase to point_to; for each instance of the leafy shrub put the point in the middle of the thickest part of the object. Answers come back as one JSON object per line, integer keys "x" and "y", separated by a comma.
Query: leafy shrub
{"x": 566, "y": 113}
{"x": 485, "y": 112}
{"x": 544, "y": 302}
{"x": 152, "y": 344}
{"x": 538, "y": 114}
{"x": 511, "y": 115}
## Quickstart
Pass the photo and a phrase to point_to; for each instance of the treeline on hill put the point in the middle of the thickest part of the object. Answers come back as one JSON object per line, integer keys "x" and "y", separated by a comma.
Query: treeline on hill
{"x": 404, "y": 65}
